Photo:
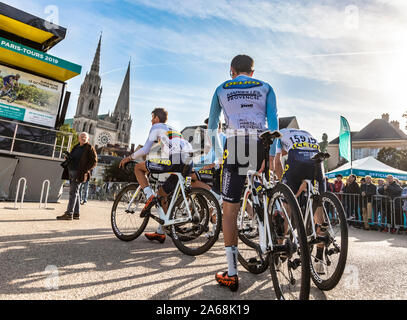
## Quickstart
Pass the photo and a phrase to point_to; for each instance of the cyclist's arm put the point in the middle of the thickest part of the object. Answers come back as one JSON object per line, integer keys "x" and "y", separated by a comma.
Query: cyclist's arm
{"x": 146, "y": 148}
{"x": 272, "y": 117}
{"x": 214, "y": 116}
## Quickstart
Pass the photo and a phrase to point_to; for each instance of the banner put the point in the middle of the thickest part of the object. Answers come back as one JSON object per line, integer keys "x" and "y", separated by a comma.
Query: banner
{"x": 29, "y": 98}
{"x": 345, "y": 144}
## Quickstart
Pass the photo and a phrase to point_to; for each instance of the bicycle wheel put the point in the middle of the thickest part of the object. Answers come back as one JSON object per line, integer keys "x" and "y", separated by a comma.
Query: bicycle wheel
{"x": 289, "y": 260}
{"x": 125, "y": 216}
{"x": 199, "y": 235}
{"x": 249, "y": 254}
{"x": 335, "y": 251}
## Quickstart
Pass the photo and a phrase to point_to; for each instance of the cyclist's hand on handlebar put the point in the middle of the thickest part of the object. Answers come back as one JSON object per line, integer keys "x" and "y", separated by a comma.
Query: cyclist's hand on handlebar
{"x": 124, "y": 161}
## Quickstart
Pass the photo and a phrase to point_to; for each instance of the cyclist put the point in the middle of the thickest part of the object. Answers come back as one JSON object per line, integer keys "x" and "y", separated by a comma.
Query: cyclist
{"x": 174, "y": 158}
{"x": 9, "y": 82}
{"x": 247, "y": 105}
{"x": 206, "y": 170}
{"x": 301, "y": 146}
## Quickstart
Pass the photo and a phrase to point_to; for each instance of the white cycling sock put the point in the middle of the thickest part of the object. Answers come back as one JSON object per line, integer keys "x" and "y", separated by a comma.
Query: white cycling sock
{"x": 148, "y": 192}
{"x": 231, "y": 257}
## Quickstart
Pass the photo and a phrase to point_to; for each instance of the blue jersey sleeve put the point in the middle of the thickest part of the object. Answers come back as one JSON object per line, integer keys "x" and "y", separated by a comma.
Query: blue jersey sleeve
{"x": 214, "y": 116}
{"x": 272, "y": 117}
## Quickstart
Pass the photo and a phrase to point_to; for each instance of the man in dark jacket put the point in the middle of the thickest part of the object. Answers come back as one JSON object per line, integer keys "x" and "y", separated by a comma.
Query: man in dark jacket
{"x": 351, "y": 197}
{"x": 392, "y": 190}
{"x": 368, "y": 190}
{"x": 82, "y": 160}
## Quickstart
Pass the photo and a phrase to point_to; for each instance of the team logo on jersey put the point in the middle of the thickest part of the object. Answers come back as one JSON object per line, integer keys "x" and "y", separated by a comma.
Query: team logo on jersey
{"x": 161, "y": 161}
{"x": 242, "y": 84}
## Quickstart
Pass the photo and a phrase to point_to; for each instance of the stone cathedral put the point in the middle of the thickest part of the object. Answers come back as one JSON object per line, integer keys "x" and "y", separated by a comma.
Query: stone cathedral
{"x": 107, "y": 129}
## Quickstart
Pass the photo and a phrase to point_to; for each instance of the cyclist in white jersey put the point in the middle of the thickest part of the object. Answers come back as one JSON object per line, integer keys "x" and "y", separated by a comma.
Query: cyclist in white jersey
{"x": 301, "y": 146}
{"x": 174, "y": 158}
{"x": 247, "y": 105}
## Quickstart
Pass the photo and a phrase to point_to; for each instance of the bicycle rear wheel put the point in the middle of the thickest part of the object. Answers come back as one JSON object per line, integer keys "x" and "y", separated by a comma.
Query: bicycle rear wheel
{"x": 199, "y": 235}
{"x": 249, "y": 254}
{"x": 289, "y": 260}
{"x": 126, "y": 222}
{"x": 336, "y": 247}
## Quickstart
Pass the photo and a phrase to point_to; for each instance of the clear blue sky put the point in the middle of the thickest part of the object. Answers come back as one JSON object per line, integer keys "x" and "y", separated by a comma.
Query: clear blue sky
{"x": 323, "y": 58}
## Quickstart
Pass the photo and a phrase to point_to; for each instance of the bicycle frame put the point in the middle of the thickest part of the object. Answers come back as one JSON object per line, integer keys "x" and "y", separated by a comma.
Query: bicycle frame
{"x": 164, "y": 217}
{"x": 265, "y": 239}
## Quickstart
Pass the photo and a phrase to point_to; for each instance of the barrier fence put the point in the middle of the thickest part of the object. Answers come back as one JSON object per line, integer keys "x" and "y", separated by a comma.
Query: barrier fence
{"x": 375, "y": 212}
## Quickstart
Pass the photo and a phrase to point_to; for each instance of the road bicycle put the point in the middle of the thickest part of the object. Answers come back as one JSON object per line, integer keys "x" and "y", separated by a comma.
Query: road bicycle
{"x": 10, "y": 93}
{"x": 193, "y": 218}
{"x": 326, "y": 270}
{"x": 273, "y": 231}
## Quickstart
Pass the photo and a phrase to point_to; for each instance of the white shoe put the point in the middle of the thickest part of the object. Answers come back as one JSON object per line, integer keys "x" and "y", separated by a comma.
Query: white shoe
{"x": 319, "y": 267}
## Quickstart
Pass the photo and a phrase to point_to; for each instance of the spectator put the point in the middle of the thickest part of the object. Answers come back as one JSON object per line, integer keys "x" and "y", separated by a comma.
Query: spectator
{"x": 84, "y": 190}
{"x": 404, "y": 208}
{"x": 338, "y": 184}
{"x": 368, "y": 190}
{"x": 329, "y": 186}
{"x": 392, "y": 190}
{"x": 352, "y": 193}
{"x": 80, "y": 162}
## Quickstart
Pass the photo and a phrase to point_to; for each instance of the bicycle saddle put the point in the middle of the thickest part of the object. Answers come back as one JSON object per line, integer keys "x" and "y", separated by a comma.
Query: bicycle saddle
{"x": 269, "y": 136}
{"x": 320, "y": 156}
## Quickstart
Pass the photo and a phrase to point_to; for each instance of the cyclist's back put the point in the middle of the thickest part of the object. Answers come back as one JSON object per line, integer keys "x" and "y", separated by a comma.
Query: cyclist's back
{"x": 300, "y": 146}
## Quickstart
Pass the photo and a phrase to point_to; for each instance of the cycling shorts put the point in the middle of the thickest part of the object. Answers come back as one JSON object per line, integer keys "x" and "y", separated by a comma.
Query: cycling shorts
{"x": 299, "y": 167}
{"x": 168, "y": 165}
{"x": 211, "y": 177}
{"x": 242, "y": 153}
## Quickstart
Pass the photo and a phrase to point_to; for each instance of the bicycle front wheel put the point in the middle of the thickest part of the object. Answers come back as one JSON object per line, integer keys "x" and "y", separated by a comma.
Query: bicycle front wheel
{"x": 199, "y": 235}
{"x": 289, "y": 259}
{"x": 327, "y": 268}
{"x": 126, "y": 222}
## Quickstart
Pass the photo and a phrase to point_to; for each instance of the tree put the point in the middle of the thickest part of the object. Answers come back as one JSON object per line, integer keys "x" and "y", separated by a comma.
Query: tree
{"x": 114, "y": 173}
{"x": 64, "y": 135}
{"x": 393, "y": 157}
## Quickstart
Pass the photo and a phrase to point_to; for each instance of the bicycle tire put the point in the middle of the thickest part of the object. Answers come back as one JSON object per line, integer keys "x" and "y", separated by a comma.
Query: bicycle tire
{"x": 198, "y": 228}
{"x": 331, "y": 282}
{"x": 276, "y": 260}
{"x": 257, "y": 265}
{"x": 144, "y": 221}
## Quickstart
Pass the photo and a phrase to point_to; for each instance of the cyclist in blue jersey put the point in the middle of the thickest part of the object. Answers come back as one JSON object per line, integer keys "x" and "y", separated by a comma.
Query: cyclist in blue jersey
{"x": 247, "y": 104}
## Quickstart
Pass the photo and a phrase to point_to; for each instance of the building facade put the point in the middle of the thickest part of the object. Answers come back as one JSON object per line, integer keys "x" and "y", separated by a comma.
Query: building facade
{"x": 106, "y": 129}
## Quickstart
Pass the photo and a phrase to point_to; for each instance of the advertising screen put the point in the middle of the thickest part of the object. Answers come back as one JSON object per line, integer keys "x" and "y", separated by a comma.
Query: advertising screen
{"x": 29, "y": 98}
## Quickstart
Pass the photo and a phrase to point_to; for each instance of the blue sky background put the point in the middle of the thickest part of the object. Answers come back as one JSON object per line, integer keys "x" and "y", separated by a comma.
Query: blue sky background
{"x": 323, "y": 58}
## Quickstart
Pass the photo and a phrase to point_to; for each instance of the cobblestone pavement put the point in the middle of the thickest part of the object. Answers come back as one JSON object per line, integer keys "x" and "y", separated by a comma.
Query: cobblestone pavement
{"x": 42, "y": 258}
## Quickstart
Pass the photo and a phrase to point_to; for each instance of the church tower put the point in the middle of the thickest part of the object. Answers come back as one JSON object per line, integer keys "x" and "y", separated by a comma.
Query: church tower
{"x": 87, "y": 110}
{"x": 121, "y": 115}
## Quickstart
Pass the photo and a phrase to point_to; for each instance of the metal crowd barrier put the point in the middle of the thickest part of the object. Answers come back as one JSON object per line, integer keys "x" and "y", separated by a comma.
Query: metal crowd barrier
{"x": 375, "y": 212}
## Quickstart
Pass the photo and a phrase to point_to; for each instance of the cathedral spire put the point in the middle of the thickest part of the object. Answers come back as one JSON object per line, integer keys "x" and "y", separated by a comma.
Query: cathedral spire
{"x": 123, "y": 102}
{"x": 96, "y": 60}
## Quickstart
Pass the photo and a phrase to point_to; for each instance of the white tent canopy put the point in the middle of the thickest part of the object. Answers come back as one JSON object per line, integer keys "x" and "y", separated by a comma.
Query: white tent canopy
{"x": 368, "y": 166}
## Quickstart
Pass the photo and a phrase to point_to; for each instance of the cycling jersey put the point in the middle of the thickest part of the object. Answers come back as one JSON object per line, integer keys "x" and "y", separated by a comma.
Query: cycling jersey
{"x": 301, "y": 146}
{"x": 246, "y": 104}
{"x": 170, "y": 140}
{"x": 8, "y": 80}
{"x": 296, "y": 139}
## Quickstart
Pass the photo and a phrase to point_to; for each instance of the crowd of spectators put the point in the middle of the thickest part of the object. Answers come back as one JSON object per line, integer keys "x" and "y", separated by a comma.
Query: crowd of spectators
{"x": 362, "y": 199}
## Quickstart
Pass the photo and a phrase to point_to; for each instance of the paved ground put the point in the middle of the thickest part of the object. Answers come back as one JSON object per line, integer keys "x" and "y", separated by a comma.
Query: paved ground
{"x": 42, "y": 258}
